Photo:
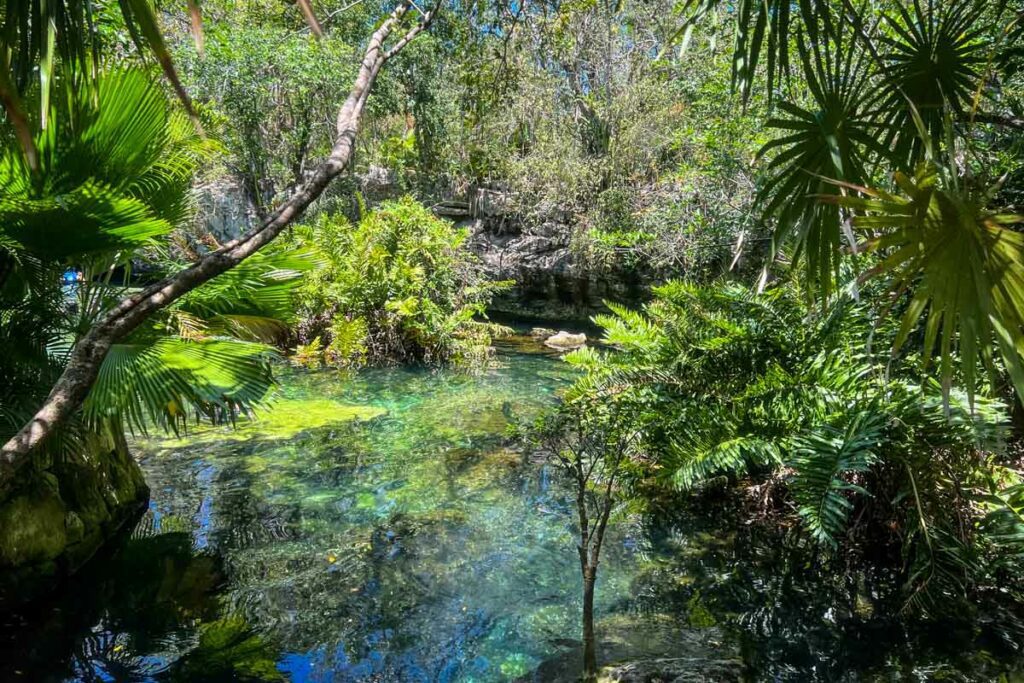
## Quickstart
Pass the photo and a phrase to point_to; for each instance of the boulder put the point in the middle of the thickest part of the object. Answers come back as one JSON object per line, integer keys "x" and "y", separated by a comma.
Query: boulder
{"x": 566, "y": 340}
{"x": 542, "y": 333}
{"x": 224, "y": 209}
{"x": 552, "y": 281}
{"x": 378, "y": 182}
{"x": 491, "y": 203}
{"x": 60, "y": 512}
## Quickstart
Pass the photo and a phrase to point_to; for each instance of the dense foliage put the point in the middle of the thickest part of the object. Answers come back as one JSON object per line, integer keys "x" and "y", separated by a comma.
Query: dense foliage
{"x": 114, "y": 182}
{"x": 399, "y": 286}
{"x": 866, "y": 156}
{"x": 807, "y": 410}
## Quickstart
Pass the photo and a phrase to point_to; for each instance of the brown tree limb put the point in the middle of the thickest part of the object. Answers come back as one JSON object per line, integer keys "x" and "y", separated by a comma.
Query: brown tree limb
{"x": 85, "y": 360}
{"x": 1000, "y": 120}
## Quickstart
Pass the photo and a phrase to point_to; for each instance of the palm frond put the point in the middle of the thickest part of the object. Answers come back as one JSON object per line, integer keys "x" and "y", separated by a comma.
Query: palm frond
{"x": 832, "y": 140}
{"x": 1003, "y": 523}
{"x": 963, "y": 263}
{"x": 113, "y": 174}
{"x": 163, "y": 382}
{"x": 702, "y": 459}
{"x": 263, "y": 286}
{"x": 43, "y": 43}
{"x": 933, "y": 69}
{"x": 763, "y": 31}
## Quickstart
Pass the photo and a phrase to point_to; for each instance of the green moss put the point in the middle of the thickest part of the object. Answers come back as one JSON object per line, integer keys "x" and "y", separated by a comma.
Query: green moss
{"x": 700, "y": 615}
{"x": 32, "y": 527}
{"x": 57, "y": 518}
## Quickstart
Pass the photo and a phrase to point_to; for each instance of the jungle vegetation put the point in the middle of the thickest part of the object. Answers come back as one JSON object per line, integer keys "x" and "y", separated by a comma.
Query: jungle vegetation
{"x": 828, "y": 194}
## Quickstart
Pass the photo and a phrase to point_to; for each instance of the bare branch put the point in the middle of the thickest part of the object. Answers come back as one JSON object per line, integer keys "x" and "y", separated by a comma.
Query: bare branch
{"x": 424, "y": 24}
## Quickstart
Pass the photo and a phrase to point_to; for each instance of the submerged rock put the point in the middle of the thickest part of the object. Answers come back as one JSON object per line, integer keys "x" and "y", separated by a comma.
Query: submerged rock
{"x": 566, "y": 340}
{"x": 674, "y": 670}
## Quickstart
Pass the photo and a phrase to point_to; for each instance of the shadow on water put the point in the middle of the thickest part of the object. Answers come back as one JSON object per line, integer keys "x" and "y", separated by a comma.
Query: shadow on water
{"x": 378, "y": 526}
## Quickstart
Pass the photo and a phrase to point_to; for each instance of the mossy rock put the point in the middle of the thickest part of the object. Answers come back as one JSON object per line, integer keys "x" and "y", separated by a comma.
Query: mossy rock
{"x": 59, "y": 513}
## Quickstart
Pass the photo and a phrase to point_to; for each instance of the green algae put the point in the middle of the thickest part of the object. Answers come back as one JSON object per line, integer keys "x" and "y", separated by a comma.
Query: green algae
{"x": 283, "y": 420}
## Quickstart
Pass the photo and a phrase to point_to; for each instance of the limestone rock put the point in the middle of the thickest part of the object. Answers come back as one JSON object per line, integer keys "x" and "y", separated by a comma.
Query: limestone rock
{"x": 542, "y": 333}
{"x": 566, "y": 340}
{"x": 224, "y": 209}
{"x": 56, "y": 517}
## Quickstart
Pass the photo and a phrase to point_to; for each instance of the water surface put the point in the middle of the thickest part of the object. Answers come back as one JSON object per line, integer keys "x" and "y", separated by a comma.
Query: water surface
{"x": 379, "y": 526}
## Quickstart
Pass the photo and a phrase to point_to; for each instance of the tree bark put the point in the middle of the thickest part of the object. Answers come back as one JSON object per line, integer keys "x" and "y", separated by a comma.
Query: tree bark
{"x": 85, "y": 360}
{"x": 589, "y": 642}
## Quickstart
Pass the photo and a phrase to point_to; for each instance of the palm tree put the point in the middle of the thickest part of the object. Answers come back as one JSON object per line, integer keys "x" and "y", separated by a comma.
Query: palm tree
{"x": 114, "y": 176}
{"x": 886, "y": 88}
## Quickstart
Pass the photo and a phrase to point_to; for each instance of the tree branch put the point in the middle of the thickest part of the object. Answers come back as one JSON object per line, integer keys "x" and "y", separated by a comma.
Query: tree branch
{"x": 1000, "y": 120}
{"x": 87, "y": 356}
{"x": 424, "y": 24}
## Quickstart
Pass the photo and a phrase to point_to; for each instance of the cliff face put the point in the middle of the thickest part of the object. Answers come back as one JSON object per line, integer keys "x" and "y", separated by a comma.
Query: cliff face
{"x": 62, "y": 511}
{"x": 551, "y": 279}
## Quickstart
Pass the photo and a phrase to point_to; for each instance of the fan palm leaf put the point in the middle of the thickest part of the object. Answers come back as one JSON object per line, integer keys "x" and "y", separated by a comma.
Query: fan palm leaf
{"x": 933, "y": 69}
{"x": 834, "y": 138}
{"x": 763, "y": 30}
{"x": 113, "y": 174}
{"x": 963, "y": 263}
{"x": 165, "y": 381}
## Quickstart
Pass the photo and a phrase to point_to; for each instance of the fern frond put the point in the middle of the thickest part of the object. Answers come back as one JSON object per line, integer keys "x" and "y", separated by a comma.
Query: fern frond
{"x": 822, "y": 460}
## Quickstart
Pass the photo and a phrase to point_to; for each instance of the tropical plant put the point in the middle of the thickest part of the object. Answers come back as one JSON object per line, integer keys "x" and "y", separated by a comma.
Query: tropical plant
{"x": 963, "y": 262}
{"x": 121, "y": 320}
{"x": 591, "y": 441}
{"x": 399, "y": 286}
{"x": 115, "y": 176}
{"x": 888, "y": 88}
{"x": 44, "y": 43}
{"x": 732, "y": 385}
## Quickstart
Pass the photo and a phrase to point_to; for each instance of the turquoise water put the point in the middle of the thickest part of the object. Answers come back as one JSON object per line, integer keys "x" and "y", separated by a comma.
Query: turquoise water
{"x": 379, "y": 526}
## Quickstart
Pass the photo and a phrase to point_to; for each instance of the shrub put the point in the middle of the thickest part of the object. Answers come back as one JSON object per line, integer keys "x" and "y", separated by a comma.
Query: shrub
{"x": 808, "y": 408}
{"x": 398, "y": 287}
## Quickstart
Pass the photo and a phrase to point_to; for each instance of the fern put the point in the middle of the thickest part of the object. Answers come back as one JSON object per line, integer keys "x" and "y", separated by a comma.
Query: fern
{"x": 1003, "y": 523}
{"x": 706, "y": 460}
{"x": 822, "y": 460}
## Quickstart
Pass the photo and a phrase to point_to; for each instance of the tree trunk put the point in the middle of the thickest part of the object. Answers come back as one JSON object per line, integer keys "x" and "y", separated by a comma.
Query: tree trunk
{"x": 86, "y": 358}
{"x": 589, "y": 643}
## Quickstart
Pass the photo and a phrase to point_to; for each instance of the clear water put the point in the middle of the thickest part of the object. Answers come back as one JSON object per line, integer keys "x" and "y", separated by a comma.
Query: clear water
{"x": 378, "y": 527}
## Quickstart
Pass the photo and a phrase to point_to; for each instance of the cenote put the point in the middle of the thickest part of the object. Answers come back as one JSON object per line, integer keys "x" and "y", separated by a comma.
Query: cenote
{"x": 380, "y": 526}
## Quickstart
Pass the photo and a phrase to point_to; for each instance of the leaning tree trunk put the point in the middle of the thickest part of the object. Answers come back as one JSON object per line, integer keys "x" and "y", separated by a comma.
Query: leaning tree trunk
{"x": 87, "y": 356}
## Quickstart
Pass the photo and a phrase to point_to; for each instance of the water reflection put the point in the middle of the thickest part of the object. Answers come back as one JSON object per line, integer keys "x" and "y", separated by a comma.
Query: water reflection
{"x": 379, "y": 527}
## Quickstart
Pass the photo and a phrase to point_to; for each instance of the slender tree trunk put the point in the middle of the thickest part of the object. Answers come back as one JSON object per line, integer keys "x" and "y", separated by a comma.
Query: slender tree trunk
{"x": 86, "y": 358}
{"x": 589, "y": 642}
